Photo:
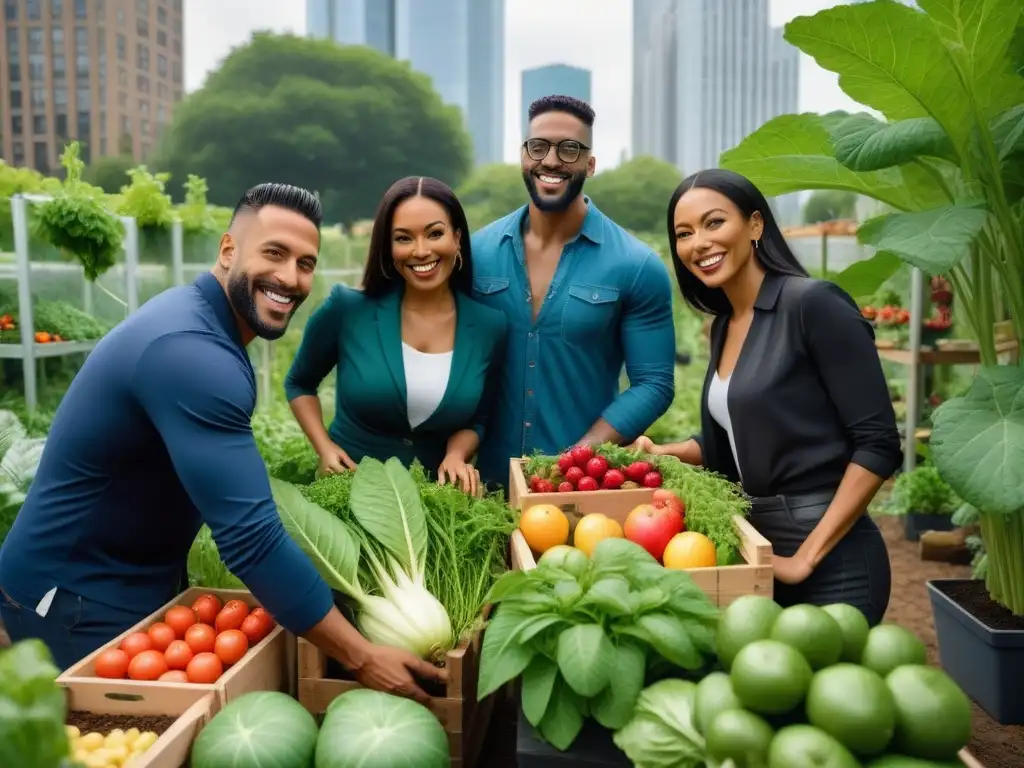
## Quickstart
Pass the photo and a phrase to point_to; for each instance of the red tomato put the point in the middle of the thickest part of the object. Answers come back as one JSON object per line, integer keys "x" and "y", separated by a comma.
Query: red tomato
{"x": 148, "y": 665}
{"x": 256, "y": 627}
{"x": 205, "y": 668}
{"x": 136, "y": 643}
{"x": 112, "y": 663}
{"x": 231, "y": 646}
{"x": 173, "y": 676}
{"x": 231, "y": 615}
{"x": 261, "y": 611}
{"x": 201, "y": 638}
{"x": 207, "y": 607}
{"x": 178, "y": 654}
{"x": 162, "y": 636}
{"x": 180, "y": 618}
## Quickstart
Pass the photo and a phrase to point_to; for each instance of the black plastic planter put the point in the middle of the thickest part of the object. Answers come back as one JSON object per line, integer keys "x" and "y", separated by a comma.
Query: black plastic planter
{"x": 916, "y": 523}
{"x": 592, "y": 748}
{"x": 987, "y": 664}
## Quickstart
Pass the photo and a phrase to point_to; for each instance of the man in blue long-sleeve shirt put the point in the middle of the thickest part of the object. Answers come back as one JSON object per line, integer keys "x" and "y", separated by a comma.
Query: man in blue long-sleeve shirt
{"x": 583, "y": 297}
{"x": 153, "y": 438}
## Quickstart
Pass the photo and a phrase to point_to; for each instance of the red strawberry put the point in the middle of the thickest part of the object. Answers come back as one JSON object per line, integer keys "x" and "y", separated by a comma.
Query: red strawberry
{"x": 638, "y": 470}
{"x": 652, "y": 479}
{"x": 597, "y": 466}
{"x": 533, "y": 482}
{"x": 566, "y": 461}
{"x": 581, "y": 454}
{"x": 566, "y": 487}
{"x": 613, "y": 479}
{"x": 574, "y": 475}
{"x": 587, "y": 484}
{"x": 545, "y": 486}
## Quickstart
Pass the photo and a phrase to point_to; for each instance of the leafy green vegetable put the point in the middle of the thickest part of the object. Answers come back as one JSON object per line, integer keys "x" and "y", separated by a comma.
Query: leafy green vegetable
{"x": 585, "y": 643}
{"x": 922, "y": 491}
{"x": 32, "y": 708}
{"x": 205, "y": 568}
{"x": 662, "y": 732}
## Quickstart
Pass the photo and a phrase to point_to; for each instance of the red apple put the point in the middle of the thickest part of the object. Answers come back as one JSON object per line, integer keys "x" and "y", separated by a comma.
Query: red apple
{"x": 653, "y": 527}
{"x": 665, "y": 498}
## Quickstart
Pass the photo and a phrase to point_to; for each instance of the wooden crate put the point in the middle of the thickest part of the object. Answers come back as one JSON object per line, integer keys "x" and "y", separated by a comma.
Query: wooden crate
{"x": 265, "y": 667}
{"x": 192, "y": 706}
{"x": 464, "y": 718}
{"x": 722, "y": 584}
{"x": 578, "y": 502}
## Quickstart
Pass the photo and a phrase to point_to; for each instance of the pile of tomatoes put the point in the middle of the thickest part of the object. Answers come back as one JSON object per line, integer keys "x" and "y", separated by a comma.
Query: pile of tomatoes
{"x": 191, "y": 645}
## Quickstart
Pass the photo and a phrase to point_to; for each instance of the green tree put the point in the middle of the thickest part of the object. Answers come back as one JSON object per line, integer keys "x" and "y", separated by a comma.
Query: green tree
{"x": 635, "y": 194}
{"x": 492, "y": 191}
{"x": 828, "y": 205}
{"x": 109, "y": 173}
{"x": 346, "y": 121}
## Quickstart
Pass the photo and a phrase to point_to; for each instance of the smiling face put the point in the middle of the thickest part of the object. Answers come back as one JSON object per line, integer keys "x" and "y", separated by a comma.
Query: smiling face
{"x": 270, "y": 256}
{"x": 560, "y": 141}
{"x": 423, "y": 243}
{"x": 714, "y": 240}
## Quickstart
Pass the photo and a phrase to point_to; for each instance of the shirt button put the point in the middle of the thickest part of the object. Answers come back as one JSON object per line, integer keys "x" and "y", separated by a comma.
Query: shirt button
{"x": 532, "y": 364}
{"x": 596, "y": 296}
{"x": 530, "y": 335}
{"x": 526, "y": 424}
{"x": 529, "y": 392}
{"x": 407, "y": 441}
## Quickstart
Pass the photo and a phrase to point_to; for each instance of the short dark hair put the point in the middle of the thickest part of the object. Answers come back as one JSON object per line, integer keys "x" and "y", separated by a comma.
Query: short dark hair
{"x": 579, "y": 109}
{"x": 297, "y": 199}
{"x": 773, "y": 252}
{"x": 379, "y": 276}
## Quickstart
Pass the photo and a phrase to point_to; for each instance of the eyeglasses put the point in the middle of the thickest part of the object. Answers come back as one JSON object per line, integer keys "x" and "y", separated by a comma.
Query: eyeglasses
{"x": 568, "y": 151}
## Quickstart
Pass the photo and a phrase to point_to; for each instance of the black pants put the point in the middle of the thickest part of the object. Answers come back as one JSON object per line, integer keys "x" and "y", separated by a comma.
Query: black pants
{"x": 856, "y": 571}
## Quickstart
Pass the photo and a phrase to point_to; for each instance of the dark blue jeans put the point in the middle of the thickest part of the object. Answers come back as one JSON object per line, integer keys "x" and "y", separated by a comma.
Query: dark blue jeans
{"x": 856, "y": 571}
{"x": 73, "y": 627}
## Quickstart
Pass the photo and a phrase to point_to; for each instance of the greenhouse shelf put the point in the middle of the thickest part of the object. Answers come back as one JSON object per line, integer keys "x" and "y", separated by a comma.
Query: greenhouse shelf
{"x": 28, "y": 350}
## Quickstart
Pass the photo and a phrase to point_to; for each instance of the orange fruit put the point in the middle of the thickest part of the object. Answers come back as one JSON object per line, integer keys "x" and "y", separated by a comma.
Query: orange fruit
{"x": 544, "y": 526}
{"x": 690, "y": 549}
{"x": 593, "y": 529}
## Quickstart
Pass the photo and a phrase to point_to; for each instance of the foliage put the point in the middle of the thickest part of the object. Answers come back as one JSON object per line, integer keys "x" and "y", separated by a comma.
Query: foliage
{"x": 32, "y": 708}
{"x": 828, "y": 205}
{"x": 196, "y": 216}
{"x": 76, "y": 221}
{"x": 635, "y": 193}
{"x": 144, "y": 199}
{"x": 924, "y": 492}
{"x": 949, "y": 158}
{"x": 346, "y": 121}
{"x": 13, "y": 181}
{"x": 109, "y": 173}
{"x": 491, "y": 192}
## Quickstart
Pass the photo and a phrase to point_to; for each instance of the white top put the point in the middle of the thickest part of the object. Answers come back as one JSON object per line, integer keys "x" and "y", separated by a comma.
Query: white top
{"x": 426, "y": 379}
{"x": 718, "y": 406}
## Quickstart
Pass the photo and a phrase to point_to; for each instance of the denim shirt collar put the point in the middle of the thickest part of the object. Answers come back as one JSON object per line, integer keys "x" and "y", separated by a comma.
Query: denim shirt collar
{"x": 592, "y": 229}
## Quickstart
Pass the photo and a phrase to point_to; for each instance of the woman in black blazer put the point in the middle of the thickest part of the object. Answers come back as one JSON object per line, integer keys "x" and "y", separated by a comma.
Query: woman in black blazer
{"x": 795, "y": 406}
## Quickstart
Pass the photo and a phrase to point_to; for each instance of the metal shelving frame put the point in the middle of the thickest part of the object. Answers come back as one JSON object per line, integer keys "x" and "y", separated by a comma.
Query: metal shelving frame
{"x": 28, "y": 351}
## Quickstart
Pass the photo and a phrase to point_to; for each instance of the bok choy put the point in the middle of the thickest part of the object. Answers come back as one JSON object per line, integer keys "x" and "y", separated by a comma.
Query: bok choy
{"x": 394, "y": 607}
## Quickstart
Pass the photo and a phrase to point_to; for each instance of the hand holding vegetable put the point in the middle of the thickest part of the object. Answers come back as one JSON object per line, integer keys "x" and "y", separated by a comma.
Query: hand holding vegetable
{"x": 455, "y": 468}
{"x": 644, "y": 444}
{"x": 391, "y": 670}
{"x": 333, "y": 460}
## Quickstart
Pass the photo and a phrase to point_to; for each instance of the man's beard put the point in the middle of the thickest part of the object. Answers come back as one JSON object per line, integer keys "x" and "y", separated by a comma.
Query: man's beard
{"x": 555, "y": 204}
{"x": 243, "y": 301}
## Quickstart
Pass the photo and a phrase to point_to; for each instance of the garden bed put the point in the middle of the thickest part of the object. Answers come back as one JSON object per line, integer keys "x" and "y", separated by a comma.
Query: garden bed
{"x": 264, "y": 667}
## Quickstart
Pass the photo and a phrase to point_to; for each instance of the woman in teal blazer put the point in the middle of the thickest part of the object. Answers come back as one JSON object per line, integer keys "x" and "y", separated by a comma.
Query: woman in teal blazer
{"x": 416, "y": 357}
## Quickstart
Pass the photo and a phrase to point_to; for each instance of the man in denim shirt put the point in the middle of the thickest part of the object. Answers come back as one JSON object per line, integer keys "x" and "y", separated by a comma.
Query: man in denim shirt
{"x": 583, "y": 298}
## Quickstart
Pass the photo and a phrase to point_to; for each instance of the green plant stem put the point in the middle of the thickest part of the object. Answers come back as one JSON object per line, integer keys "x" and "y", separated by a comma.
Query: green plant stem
{"x": 936, "y": 174}
{"x": 961, "y": 283}
{"x": 112, "y": 295}
{"x": 1004, "y": 541}
{"x": 983, "y": 295}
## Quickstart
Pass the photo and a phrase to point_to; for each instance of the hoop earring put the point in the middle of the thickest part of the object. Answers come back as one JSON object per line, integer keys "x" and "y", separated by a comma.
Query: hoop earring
{"x": 757, "y": 244}
{"x": 458, "y": 259}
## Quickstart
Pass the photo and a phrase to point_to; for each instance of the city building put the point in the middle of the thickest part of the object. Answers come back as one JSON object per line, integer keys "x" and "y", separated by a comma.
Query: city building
{"x": 105, "y": 72}
{"x": 459, "y": 44}
{"x": 705, "y": 75}
{"x": 551, "y": 79}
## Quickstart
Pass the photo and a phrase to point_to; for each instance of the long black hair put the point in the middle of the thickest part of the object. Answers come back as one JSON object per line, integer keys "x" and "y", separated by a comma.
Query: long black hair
{"x": 772, "y": 252}
{"x": 380, "y": 275}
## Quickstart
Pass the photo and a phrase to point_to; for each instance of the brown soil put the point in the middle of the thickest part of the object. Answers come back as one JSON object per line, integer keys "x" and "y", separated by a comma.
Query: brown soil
{"x": 88, "y": 722}
{"x": 993, "y": 745}
{"x": 973, "y": 597}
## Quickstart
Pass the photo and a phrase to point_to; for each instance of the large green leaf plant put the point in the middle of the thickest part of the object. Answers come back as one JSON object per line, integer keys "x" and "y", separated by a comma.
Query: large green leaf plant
{"x": 946, "y": 160}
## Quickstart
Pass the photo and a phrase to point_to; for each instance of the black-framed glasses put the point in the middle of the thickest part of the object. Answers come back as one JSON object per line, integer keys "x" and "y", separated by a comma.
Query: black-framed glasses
{"x": 568, "y": 151}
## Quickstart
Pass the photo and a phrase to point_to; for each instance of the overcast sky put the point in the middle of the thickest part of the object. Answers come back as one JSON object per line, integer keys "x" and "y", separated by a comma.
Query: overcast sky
{"x": 537, "y": 33}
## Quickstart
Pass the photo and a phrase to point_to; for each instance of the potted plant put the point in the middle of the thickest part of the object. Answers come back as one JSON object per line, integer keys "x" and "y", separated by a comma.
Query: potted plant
{"x": 145, "y": 200}
{"x": 201, "y": 233}
{"x": 947, "y": 165}
{"x": 924, "y": 500}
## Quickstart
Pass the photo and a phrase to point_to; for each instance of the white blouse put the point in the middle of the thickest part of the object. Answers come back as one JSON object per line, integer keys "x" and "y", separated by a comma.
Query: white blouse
{"x": 426, "y": 379}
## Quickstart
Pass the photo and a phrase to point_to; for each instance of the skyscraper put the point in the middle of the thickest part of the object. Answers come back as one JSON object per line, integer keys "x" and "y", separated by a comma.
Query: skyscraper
{"x": 105, "y": 72}
{"x": 459, "y": 44}
{"x": 551, "y": 79}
